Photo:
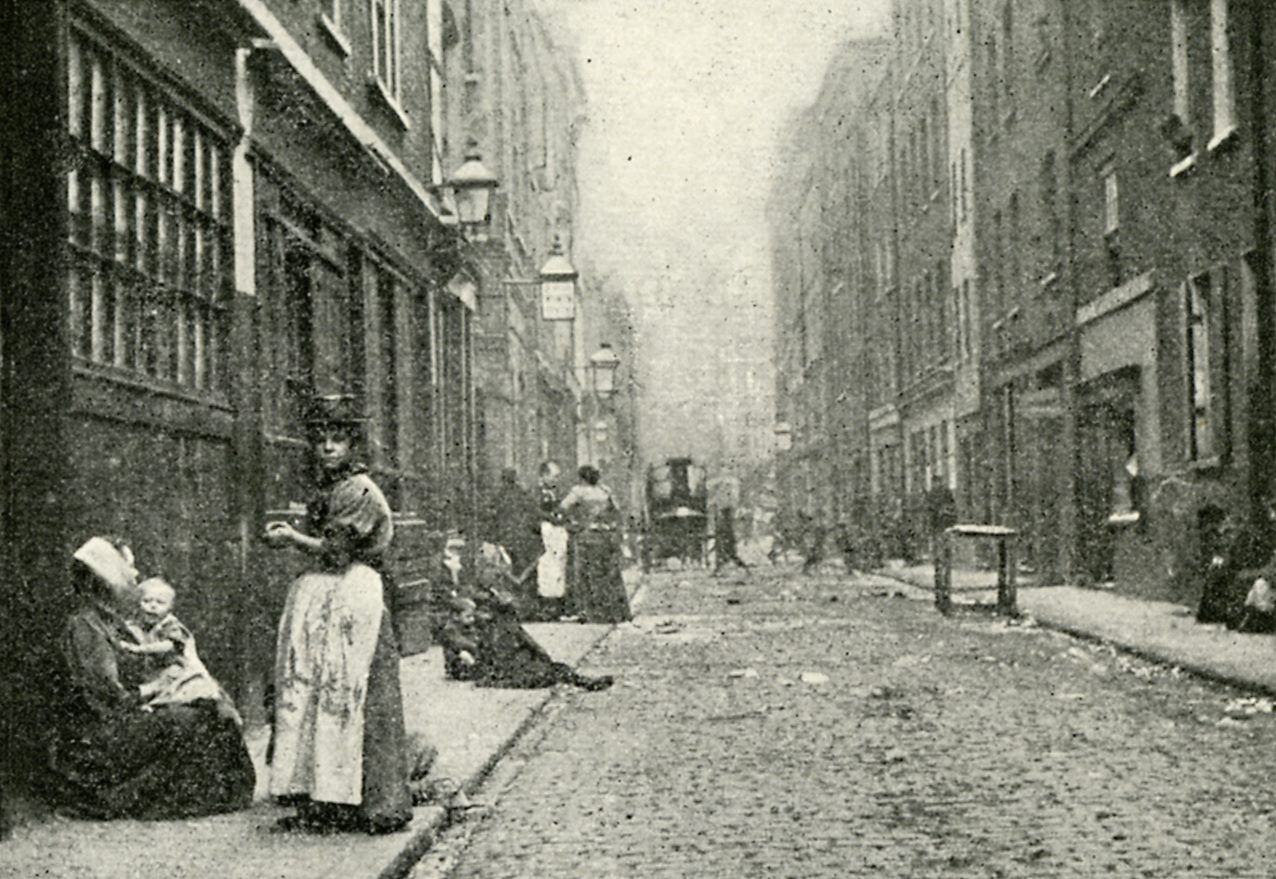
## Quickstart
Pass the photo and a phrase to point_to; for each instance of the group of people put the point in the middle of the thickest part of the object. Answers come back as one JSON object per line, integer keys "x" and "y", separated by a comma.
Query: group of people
{"x": 1238, "y": 585}
{"x": 144, "y": 731}
{"x": 564, "y": 547}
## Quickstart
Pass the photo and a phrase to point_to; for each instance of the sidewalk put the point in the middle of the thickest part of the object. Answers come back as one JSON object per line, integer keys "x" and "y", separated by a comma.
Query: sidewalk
{"x": 1157, "y": 630}
{"x": 471, "y": 727}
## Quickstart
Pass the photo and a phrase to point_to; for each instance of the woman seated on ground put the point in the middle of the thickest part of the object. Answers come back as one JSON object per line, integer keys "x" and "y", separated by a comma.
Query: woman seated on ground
{"x": 112, "y": 754}
{"x": 483, "y": 640}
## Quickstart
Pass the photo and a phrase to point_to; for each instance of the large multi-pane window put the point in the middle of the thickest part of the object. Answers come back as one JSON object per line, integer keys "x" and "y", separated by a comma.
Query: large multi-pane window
{"x": 148, "y": 276}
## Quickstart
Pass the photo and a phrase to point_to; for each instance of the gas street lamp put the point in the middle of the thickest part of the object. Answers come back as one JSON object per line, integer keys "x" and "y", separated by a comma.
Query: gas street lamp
{"x": 602, "y": 368}
{"x": 558, "y": 285}
{"x": 472, "y": 186}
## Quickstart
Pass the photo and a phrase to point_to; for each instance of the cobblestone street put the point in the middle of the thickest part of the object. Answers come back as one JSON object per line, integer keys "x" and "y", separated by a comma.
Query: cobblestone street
{"x": 776, "y": 725}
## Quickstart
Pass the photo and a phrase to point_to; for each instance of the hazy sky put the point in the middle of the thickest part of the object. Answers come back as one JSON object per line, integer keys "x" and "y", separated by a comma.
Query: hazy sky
{"x": 686, "y": 99}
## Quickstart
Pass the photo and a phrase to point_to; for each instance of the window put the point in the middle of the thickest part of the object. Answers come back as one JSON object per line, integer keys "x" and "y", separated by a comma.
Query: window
{"x": 1220, "y": 51}
{"x": 149, "y": 268}
{"x": 438, "y": 112}
{"x": 385, "y": 45}
{"x": 1049, "y": 184}
{"x": 387, "y": 288}
{"x": 998, "y": 254}
{"x": 1205, "y": 347}
{"x": 1179, "y": 61}
{"x": 1111, "y": 202}
{"x": 332, "y": 11}
{"x": 1013, "y": 232}
{"x": 1008, "y": 54}
{"x": 952, "y": 191}
{"x": 994, "y": 87}
{"x": 967, "y": 347}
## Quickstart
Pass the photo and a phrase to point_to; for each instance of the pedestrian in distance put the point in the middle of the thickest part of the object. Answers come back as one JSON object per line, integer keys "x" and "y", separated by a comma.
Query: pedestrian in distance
{"x": 847, "y": 545}
{"x": 338, "y": 751}
{"x": 551, "y": 566}
{"x": 598, "y": 589}
{"x": 814, "y": 533}
{"x": 725, "y": 548}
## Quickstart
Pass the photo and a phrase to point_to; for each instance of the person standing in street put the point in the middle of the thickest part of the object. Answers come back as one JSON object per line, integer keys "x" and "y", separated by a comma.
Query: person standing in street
{"x": 598, "y": 589}
{"x": 551, "y": 567}
{"x": 338, "y": 751}
{"x": 814, "y": 534}
{"x": 725, "y": 548}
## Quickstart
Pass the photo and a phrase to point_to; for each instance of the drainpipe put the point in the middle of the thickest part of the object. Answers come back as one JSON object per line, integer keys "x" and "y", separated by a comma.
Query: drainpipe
{"x": 1262, "y": 425}
{"x": 1072, "y": 376}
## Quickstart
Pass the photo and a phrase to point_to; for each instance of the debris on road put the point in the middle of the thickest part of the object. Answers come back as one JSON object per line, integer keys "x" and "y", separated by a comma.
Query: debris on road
{"x": 1247, "y": 707}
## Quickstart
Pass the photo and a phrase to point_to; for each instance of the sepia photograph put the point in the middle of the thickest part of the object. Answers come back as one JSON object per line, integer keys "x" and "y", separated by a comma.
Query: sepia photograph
{"x": 602, "y": 439}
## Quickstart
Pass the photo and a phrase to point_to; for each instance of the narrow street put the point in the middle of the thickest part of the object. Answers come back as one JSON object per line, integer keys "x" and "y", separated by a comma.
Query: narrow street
{"x": 775, "y": 725}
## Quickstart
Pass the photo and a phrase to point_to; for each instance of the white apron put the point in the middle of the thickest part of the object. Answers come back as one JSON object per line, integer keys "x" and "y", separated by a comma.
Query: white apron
{"x": 327, "y": 636}
{"x": 551, "y": 568}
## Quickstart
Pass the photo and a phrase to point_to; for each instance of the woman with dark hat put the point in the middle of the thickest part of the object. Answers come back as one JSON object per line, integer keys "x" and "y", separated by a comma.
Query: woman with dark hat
{"x": 110, "y": 756}
{"x": 597, "y": 590}
{"x": 338, "y": 750}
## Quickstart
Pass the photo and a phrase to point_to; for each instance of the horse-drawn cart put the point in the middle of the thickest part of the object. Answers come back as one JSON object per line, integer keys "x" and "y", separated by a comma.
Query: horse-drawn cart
{"x": 676, "y": 517}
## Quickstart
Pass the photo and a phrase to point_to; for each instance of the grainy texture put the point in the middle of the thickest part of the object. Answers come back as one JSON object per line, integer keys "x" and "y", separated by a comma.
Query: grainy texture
{"x": 936, "y": 747}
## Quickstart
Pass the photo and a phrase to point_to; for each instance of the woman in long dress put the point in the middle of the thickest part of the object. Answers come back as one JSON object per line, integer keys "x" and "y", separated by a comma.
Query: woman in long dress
{"x": 338, "y": 749}
{"x": 597, "y": 589}
{"x": 112, "y": 756}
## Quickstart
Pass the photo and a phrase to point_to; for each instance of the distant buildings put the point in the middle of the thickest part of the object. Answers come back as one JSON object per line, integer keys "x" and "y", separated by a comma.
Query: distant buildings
{"x": 1022, "y": 252}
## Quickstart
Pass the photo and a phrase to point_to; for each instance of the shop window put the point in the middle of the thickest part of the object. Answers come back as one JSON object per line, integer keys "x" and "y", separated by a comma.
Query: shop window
{"x": 150, "y": 240}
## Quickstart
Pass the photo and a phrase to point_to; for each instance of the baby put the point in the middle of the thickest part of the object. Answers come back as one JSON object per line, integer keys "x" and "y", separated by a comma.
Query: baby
{"x": 183, "y": 679}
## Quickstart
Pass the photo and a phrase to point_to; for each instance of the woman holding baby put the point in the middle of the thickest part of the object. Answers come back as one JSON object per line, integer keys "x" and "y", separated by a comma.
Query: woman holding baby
{"x": 133, "y": 738}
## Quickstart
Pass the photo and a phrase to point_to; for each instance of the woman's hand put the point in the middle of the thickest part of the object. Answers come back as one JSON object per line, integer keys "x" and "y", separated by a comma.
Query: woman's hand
{"x": 280, "y": 534}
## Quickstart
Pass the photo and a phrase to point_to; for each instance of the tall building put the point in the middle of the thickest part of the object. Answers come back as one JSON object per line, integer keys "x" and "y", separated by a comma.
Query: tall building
{"x": 1068, "y": 318}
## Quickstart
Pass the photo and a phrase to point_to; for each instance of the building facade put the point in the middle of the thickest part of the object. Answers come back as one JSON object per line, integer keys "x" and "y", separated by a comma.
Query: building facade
{"x": 1094, "y": 368}
{"x": 212, "y": 214}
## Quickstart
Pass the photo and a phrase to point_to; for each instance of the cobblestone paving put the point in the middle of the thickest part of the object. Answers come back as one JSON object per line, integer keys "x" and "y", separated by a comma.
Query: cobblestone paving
{"x": 824, "y": 726}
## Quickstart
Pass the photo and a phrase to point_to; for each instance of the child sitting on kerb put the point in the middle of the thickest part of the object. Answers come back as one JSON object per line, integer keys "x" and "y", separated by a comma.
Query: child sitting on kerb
{"x": 183, "y": 679}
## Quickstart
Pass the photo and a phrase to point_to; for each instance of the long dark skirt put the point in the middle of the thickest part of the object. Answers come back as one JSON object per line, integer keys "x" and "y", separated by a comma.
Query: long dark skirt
{"x": 386, "y": 798}
{"x": 179, "y": 761}
{"x": 598, "y": 592}
{"x": 505, "y": 655}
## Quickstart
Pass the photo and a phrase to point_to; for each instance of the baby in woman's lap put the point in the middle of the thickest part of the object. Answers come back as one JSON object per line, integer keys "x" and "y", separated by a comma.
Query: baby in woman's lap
{"x": 182, "y": 678}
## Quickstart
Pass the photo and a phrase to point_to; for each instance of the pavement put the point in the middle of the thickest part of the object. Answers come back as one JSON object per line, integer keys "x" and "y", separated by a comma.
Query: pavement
{"x": 471, "y": 727}
{"x": 1161, "y": 631}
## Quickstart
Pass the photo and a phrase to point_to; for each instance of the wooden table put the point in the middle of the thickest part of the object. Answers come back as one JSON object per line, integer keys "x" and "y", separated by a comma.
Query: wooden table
{"x": 1005, "y": 565}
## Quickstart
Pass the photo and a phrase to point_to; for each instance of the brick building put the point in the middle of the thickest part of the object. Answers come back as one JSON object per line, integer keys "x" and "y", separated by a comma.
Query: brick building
{"x": 522, "y": 102}
{"x": 1095, "y": 369}
{"x": 215, "y": 212}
